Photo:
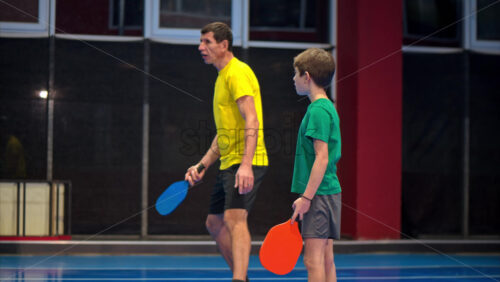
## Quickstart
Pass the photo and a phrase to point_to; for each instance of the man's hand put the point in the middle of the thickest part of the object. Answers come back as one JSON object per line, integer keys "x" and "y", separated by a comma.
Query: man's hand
{"x": 192, "y": 175}
{"x": 244, "y": 179}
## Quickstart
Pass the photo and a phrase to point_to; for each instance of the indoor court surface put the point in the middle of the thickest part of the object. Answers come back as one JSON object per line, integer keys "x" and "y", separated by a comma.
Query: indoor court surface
{"x": 350, "y": 267}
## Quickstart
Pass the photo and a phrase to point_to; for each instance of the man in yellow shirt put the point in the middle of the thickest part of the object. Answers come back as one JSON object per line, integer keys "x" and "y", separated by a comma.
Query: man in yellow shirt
{"x": 239, "y": 144}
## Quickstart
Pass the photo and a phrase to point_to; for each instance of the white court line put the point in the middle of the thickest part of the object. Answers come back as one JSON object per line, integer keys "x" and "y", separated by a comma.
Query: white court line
{"x": 250, "y": 268}
{"x": 138, "y": 268}
{"x": 255, "y": 243}
{"x": 126, "y": 279}
{"x": 143, "y": 243}
{"x": 258, "y": 279}
{"x": 417, "y": 277}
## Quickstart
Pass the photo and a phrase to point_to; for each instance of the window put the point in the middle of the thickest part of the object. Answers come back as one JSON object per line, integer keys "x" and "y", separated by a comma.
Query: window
{"x": 180, "y": 21}
{"x": 92, "y": 18}
{"x": 470, "y": 24}
{"x": 258, "y": 23}
{"x": 19, "y": 11}
{"x": 432, "y": 22}
{"x": 25, "y": 17}
{"x": 133, "y": 14}
{"x": 193, "y": 13}
{"x": 289, "y": 20}
{"x": 488, "y": 24}
{"x": 484, "y": 25}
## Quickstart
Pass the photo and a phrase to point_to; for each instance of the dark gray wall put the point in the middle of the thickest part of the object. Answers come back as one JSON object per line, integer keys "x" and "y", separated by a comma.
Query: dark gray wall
{"x": 439, "y": 92}
{"x": 99, "y": 95}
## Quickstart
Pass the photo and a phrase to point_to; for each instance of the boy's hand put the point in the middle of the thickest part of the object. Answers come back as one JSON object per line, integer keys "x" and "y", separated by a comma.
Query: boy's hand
{"x": 300, "y": 207}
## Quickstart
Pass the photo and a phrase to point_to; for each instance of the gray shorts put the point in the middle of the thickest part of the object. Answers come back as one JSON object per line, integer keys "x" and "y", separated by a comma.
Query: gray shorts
{"x": 323, "y": 218}
{"x": 225, "y": 196}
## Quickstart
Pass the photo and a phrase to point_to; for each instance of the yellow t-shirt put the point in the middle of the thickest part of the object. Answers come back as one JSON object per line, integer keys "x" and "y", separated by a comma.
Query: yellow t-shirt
{"x": 236, "y": 80}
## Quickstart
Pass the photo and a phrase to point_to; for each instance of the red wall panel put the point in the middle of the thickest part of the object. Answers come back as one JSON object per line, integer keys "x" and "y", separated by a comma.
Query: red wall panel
{"x": 370, "y": 107}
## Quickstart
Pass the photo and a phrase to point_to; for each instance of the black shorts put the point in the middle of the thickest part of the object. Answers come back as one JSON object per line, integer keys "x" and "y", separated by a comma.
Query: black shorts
{"x": 225, "y": 196}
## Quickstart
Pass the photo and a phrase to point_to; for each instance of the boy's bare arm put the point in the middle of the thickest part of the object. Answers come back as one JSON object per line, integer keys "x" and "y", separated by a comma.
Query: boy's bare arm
{"x": 302, "y": 204}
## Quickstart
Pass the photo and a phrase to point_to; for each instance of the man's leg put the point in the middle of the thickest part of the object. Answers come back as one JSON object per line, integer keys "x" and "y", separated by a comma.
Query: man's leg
{"x": 330, "y": 272}
{"x": 236, "y": 222}
{"x": 216, "y": 227}
{"x": 314, "y": 259}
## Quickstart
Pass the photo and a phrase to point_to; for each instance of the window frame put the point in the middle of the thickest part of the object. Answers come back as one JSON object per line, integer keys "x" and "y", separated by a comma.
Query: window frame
{"x": 472, "y": 42}
{"x": 413, "y": 39}
{"x": 469, "y": 40}
{"x": 153, "y": 30}
{"x": 111, "y": 25}
{"x": 300, "y": 34}
{"x": 39, "y": 29}
{"x": 240, "y": 24}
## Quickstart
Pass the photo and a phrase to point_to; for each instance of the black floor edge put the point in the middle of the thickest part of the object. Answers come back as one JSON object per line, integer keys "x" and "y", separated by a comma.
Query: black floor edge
{"x": 75, "y": 247}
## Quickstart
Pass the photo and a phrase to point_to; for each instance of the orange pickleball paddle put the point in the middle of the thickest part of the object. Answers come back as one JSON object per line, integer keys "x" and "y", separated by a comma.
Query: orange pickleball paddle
{"x": 281, "y": 248}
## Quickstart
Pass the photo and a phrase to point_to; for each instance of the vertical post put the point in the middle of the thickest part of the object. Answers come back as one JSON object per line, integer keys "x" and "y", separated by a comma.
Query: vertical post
{"x": 50, "y": 95}
{"x": 303, "y": 13}
{"x": 332, "y": 33}
{"x": 50, "y": 109}
{"x": 121, "y": 18}
{"x": 333, "y": 41}
{"x": 24, "y": 208}
{"x": 18, "y": 225}
{"x": 245, "y": 24}
{"x": 51, "y": 208}
{"x": 145, "y": 142}
{"x": 466, "y": 148}
{"x": 52, "y": 18}
{"x": 57, "y": 209}
{"x": 148, "y": 18}
{"x": 67, "y": 207}
{"x": 466, "y": 39}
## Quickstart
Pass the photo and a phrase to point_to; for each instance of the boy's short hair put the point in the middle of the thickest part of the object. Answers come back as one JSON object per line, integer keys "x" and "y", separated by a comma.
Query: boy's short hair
{"x": 221, "y": 32}
{"x": 318, "y": 63}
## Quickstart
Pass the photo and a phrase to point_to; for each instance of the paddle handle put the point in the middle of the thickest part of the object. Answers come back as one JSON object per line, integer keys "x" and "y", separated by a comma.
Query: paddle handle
{"x": 200, "y": 168}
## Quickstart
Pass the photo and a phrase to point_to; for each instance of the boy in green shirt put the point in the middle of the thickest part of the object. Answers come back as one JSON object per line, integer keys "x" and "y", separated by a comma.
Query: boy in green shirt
{"x": 315, "y": 168}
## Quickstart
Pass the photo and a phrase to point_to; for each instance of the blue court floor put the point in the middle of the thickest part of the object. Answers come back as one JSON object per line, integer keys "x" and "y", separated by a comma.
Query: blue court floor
{"x": 356, "y": 267}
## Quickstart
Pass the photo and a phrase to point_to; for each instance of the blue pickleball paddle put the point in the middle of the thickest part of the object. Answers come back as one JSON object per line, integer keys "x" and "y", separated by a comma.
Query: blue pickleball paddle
{"x": 170, "y": 199}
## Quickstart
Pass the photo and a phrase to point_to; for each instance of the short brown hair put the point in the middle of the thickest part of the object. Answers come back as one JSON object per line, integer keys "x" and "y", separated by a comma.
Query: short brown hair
{"x": 318, "y": 63}
{"x": 221, "y": 32}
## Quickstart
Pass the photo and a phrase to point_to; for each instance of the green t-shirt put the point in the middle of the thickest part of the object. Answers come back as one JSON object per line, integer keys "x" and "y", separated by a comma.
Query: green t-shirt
{"x": 321, "y": 121}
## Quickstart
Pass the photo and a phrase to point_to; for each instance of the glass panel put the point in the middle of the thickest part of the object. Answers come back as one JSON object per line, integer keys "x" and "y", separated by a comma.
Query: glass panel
{"x": 484, "y": 140}
{"x": 37, "y": 209}
{"x": 21, "y": 11}
{"x": 98, "y": 132}
{"x": 425, "y": 17}
{"x": 134, "y": 13}
{"x": 488, "y": 25}
{"x": 433, "y": 106}
{"x": 23, "y": 122}
{"x": 289, "y": 20}
{"x": 178, "y": 136}
{"x": 97, "y": 17}
{"x": 8, "y": 209}
{"x": 289, "y": 15}
{"x": 193, "y": 13}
